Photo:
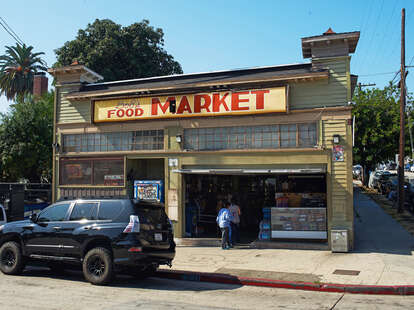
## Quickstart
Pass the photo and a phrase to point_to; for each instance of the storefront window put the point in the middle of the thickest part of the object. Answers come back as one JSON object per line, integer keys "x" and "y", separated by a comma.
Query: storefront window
{"x": 114, "y": 141}
{"x": 97, "y": 171}
{"x": 251, "y": 137}
{"x": 307, "y": 134}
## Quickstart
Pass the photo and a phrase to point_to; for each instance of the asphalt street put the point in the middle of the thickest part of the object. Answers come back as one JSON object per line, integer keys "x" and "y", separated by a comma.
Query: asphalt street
{"x": 42, "y": 289}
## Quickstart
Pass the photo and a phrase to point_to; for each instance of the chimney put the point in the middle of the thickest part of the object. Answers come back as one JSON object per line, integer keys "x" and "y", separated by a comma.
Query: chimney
{"x": 40, "y": 84}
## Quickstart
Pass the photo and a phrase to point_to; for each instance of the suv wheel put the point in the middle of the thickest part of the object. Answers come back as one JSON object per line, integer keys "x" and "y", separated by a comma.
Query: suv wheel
{"x": 97, "y": 266}
{"x": 11, "y": 258}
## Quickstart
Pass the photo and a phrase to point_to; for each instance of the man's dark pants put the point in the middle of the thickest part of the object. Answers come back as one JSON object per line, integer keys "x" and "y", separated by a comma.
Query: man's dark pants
{"x": 224, "y": 237}
{"x": 235, "y": 233}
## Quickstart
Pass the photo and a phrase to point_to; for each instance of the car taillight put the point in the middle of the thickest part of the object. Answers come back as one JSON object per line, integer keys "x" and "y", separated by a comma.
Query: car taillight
{"x": 135, "y": 249}
{"x": 133, "y": 225}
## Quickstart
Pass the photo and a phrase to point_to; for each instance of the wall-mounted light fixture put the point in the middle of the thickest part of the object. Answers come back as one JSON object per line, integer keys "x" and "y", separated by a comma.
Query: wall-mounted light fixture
{"x": 178, "y": 138}
{"x": 336, "y": 139}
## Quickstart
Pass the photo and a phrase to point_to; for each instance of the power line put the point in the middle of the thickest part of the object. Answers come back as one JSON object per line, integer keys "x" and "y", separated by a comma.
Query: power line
{"x": 375, "y": 74}
{"x": 10, "y": 28}
{"x": 372, "y": 38}
{"x": 10, "y": 32}
{"x": 385, "y": 34}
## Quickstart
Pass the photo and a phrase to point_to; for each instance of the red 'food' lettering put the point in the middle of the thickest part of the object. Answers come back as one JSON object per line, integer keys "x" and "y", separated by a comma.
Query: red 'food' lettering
{"x": 260, "y": 98}
{"x": 197, "y": 103}
{"x": 129, "y": 112}
{"x": 184, "y": 106}
{"x": 236, "y": 100}
{"x": 110, "y": 112}
{"x": 120, "y": 113}
{"x": 217, "y": 102}
{"x": 155, "y": 103}
{"x": 139, "y": 111}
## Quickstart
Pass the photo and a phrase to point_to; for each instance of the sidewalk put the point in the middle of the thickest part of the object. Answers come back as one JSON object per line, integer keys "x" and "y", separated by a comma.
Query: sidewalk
{"x": 383, "y": 255}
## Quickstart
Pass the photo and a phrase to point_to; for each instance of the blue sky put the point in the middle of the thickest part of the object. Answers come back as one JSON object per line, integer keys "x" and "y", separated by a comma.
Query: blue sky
{"x": 218, "y": 35}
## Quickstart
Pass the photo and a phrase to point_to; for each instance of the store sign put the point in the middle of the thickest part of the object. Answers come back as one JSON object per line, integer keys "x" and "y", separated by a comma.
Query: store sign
{"x": 269, "y": 100}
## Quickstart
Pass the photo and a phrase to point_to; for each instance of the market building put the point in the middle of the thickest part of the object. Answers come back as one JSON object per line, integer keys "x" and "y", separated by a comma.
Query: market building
{"x": 276, "y": 139}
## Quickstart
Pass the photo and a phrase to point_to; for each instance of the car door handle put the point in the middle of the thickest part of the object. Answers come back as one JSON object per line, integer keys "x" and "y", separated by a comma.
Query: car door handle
{"x": 28, "y": 227}
{"x": 87, "y": 227}
{"x": 57, "y": 228}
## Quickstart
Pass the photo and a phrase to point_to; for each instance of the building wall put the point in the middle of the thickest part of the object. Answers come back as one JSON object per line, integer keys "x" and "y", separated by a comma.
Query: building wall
{"x": 303, "y": 95}
{"x": 72, "y": 112}
{"x": 319, "y": 94}
{"x": 75, "y": 117}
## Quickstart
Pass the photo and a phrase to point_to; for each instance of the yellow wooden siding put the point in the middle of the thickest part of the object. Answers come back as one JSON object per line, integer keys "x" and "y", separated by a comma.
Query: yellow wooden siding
{"x": 322, "y": 94}
{"x": 73, "y": 112}
{"x": 340, "y": 171}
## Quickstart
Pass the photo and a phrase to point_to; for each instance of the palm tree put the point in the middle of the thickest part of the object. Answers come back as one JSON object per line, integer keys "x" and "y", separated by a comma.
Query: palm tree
{"x": 17, "y": 69}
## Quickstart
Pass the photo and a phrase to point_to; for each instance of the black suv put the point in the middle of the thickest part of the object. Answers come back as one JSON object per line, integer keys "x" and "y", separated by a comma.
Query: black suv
{"x": 101, "y": 234}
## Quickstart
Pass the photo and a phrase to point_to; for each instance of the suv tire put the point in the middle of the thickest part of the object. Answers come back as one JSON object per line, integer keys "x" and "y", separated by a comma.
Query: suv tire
{"x": 97, "y": 266}
{"x": 11, "y": 258}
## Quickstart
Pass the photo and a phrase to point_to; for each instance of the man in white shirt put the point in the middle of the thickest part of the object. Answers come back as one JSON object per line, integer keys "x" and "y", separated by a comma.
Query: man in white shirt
{"x": 235, "y": 222}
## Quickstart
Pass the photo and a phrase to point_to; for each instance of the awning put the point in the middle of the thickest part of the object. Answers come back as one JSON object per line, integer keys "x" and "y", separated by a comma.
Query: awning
{"x": 225, "y": 171}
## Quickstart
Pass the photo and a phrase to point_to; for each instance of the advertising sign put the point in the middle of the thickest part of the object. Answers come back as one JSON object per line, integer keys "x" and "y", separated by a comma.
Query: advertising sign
{"x": 338, "y": 153}
{"x": 269, "y": 100}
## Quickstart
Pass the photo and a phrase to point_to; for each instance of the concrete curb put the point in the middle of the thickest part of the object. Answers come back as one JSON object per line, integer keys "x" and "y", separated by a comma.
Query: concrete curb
{"x": 403, "y": 290}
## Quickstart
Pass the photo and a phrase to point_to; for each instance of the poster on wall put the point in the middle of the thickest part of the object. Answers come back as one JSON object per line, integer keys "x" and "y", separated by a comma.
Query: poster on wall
{"x": 173, "y": 204}
{"x": 338, "y": 153}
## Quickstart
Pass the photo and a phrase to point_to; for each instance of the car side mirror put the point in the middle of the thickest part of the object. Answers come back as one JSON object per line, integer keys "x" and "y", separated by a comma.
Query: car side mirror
{"x": 33, "y": 217}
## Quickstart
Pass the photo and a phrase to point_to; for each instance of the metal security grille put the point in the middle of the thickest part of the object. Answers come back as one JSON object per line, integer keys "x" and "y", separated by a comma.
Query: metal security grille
{"x": 114, "y": 141}
{"x": 251, "y": 137}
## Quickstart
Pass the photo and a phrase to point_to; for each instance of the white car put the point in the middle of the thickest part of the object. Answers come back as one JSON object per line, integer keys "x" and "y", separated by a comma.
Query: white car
{"x": 412, "y": 168}
{"x": 3, "y": 219}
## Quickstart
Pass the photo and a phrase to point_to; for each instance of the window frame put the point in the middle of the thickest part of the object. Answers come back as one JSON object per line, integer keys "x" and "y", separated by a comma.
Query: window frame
{"x": 66, "y": 160}
{"x": 53, "y": 206}
{"x": 96, "y": 203}
{"x": 98, "y": 142}
{"x": 259, "y": 137}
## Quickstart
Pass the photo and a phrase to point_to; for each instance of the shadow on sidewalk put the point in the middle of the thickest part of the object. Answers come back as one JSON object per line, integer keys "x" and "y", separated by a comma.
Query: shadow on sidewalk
{"x": 376, "y": 231}
{"x": 124, "y": 281}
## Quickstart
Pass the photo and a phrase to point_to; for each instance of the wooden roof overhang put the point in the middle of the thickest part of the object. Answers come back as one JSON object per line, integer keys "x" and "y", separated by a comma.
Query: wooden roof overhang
{"x": 199, "y": 87}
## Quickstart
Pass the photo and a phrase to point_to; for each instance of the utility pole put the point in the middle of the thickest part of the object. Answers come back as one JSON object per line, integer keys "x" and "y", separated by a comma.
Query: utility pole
{"x": 402, "y": 119}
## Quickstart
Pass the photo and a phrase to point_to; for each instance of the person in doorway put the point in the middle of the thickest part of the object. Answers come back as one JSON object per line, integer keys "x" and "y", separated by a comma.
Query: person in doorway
{"x": 223, "y": 220}
{"x": 235, "y": 223}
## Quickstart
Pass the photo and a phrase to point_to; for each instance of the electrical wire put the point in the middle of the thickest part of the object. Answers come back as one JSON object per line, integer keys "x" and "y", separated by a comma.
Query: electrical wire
{"x": 372, "y": 39}
{"x": 15, "y": 36}
{"x": 376, "y": 74}
{"x": 388, "y": 29}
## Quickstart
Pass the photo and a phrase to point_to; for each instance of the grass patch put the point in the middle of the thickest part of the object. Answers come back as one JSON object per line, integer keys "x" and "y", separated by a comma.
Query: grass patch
{"x": 406, "y": 219}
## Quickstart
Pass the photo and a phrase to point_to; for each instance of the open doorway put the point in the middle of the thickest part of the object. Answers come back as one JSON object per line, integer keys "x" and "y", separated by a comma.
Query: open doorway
{"x": 205, "y": 194}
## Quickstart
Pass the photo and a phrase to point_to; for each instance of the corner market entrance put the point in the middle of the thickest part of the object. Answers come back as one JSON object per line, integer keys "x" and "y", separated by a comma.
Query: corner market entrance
{"x": 294, "y": 201}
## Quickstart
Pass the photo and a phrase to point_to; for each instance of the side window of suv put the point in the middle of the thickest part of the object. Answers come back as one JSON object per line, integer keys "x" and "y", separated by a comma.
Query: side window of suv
{"x": 84, "y": 211}
{"x": 1, "y": 214}
{"x": 110, "y": 210}
{"x": 54, "y": 213}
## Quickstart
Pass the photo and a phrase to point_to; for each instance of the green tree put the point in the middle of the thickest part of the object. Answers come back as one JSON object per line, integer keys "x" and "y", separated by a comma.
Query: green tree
{"x": 26, "y": 140}
{"x": 17, "y": 68}
{"x": 377, "y": 113}
{"x": 119, "y": 53}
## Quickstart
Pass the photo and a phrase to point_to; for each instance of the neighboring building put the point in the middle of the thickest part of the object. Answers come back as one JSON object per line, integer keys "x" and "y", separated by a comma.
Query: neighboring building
{"x": 277, "y": 136}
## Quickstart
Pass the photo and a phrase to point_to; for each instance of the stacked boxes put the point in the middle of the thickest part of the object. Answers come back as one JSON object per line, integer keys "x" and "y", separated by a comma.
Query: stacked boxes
{"x": 265, "y": 226}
